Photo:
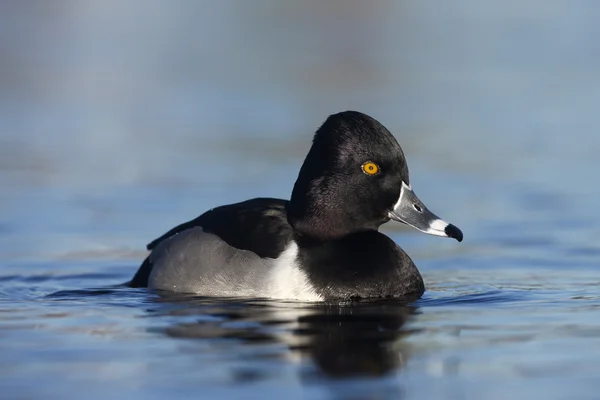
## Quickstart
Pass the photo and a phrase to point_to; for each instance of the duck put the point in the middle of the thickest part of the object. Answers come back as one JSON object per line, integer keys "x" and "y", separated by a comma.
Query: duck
{"x": 322, "y": 244}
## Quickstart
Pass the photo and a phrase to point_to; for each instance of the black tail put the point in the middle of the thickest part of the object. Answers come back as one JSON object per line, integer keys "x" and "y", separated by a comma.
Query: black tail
{"x": 140, "y": 279}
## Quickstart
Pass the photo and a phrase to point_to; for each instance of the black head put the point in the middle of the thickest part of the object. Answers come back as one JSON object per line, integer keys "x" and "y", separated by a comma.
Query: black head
{"x": 353, "y": 179}
{"x": 350, "y": 179}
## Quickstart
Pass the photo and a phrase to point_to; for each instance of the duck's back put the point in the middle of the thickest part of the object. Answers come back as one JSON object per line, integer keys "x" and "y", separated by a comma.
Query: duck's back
{"x": 227, "y": 251}
{"x": 259, "y": 225}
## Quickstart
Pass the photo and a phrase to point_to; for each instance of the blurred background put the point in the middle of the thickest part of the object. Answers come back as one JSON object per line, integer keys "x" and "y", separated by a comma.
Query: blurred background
{"x": 120, "y": 119}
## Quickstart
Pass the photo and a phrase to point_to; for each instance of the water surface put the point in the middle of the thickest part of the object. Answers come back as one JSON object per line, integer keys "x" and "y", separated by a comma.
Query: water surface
{"x": 118, "y": 122}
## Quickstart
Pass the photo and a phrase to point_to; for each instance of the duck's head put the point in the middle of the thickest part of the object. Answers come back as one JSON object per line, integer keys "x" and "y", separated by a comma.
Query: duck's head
{"x": 355, "y": 178}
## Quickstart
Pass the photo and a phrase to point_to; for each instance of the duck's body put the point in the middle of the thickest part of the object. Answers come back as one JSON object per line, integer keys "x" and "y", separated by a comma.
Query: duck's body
{"x": 322, "y": 244}
{"x": 248, "y": 250}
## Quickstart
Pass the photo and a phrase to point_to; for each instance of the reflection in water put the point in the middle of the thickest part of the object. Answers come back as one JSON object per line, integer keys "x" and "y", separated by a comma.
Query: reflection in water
{"x": 342, "y": 340}
{"x": 345, "y": 343}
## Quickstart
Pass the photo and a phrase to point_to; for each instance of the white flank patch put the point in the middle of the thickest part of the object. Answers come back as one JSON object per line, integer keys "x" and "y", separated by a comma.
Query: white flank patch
{"x": 287, "y": 280}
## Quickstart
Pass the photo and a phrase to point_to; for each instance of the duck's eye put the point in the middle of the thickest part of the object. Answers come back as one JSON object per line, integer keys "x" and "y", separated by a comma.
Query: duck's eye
{"x": 370, "y": 168}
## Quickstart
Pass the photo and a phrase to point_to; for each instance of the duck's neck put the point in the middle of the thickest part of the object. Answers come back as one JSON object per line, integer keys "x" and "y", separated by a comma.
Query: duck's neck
{"x": 315, "y": 225}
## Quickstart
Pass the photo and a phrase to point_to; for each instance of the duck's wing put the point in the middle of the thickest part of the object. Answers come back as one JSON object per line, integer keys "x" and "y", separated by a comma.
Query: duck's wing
{"x": 258, "y": 225}
{"x": 179, "y": 228}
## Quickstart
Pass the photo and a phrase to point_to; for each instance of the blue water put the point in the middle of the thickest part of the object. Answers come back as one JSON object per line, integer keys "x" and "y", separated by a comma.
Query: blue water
{"x": 119, "y": 121}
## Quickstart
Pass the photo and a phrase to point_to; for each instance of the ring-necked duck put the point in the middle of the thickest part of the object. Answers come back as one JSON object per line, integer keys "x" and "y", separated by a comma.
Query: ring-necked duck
{"x": 322, "y": 244}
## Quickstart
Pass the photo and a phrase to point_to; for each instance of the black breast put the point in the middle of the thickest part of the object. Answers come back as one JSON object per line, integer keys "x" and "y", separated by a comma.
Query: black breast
{"x": 361, "y": 265}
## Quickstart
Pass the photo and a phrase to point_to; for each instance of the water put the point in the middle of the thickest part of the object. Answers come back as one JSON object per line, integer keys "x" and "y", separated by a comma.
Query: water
{"x": 119, "y": 121}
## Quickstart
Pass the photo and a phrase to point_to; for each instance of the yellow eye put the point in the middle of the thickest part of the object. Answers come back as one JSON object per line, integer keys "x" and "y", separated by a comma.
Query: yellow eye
{"x": 370, "y": 168}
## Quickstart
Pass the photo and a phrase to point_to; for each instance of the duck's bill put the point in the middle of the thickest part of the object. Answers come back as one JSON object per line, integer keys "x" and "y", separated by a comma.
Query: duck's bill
{"x": 411, "y": 211}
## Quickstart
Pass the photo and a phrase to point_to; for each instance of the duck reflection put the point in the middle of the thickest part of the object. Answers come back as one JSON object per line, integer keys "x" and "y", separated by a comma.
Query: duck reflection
{"x": 350, "y": 341}
{"x": 341, "y": 340}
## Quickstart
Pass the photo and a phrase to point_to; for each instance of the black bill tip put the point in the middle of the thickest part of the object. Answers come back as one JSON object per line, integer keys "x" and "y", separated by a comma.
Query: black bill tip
{"x": 453, "y": 232}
